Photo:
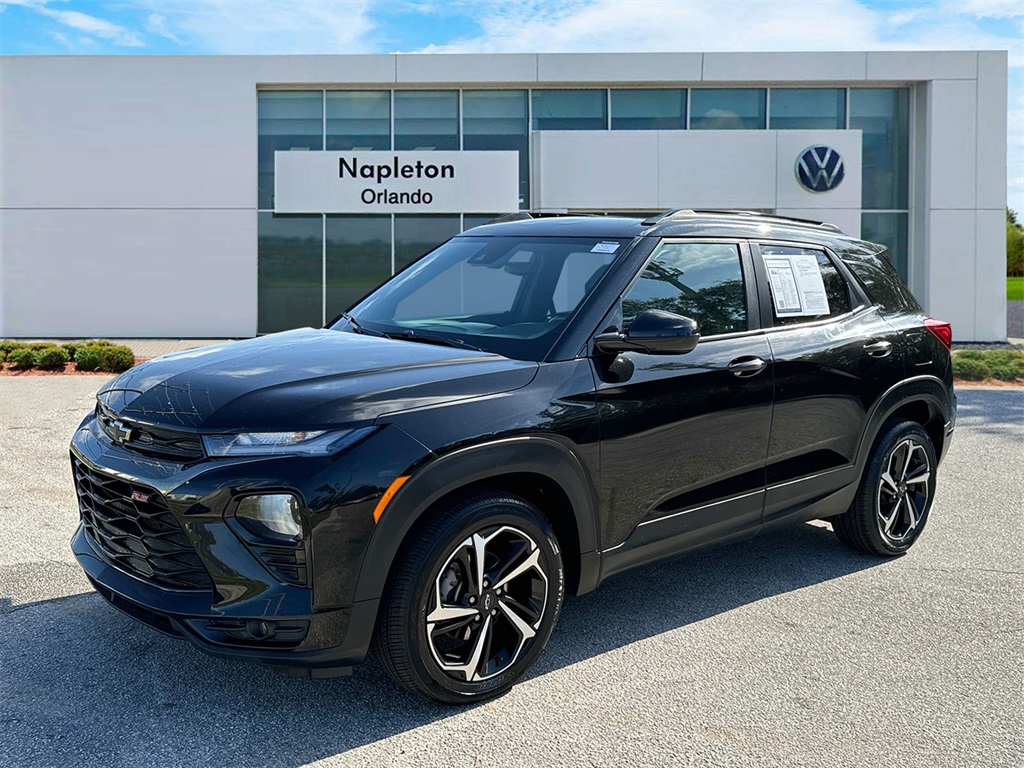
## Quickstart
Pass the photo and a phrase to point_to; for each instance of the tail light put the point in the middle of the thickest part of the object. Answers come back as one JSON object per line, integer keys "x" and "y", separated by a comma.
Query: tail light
{"x": 941, "y": 331}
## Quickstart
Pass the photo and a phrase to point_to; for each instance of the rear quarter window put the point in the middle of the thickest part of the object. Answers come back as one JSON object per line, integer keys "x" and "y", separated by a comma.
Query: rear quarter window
{"x": 881, "y": 281}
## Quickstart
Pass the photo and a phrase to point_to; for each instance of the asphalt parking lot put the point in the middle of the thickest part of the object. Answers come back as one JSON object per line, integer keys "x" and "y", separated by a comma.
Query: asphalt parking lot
{"x": 785, "y": 650}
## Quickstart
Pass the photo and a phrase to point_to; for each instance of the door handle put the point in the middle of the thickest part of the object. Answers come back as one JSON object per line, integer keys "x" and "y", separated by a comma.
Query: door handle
{"x": 878, "y": 348}
{"x": 745, "y": 367}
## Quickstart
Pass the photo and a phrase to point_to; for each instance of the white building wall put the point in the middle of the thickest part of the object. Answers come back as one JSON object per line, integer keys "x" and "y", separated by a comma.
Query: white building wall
{"x": 109, "y": 161}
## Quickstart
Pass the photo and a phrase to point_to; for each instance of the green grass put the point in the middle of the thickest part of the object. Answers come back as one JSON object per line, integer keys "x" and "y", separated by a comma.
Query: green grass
{"x": 1015, "y": 288}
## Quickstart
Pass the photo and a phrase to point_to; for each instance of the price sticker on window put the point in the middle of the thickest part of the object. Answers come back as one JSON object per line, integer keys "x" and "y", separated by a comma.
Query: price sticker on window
{"x": 798, "y": 288}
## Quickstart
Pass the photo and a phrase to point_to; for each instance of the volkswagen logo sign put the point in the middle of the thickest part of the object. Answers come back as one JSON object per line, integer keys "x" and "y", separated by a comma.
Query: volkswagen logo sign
{"x": 820, "y": 169}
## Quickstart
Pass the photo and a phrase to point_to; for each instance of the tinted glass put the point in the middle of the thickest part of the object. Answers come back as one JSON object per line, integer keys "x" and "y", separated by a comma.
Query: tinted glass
{"x": 725, "y": 108}
{"x": 883, "y": 114}
{"x": 359, "y": 120}
{"x": 427, "y": 120}
{"x": 890, "y": 230}
{"x": 808, "y": 108}
{"x": 648, "y": 109}
{"x": 416, "y": 235}
{"x": 510, "y": 295}
{"x": 837, "y": 292}
{"x": 358, "y": 252}
{"x": 702, "y": 281}
{"x": 577, "y": 110}
{"x": 496, "y": 120}
{"x": 287, "y": 120}
{"x": 290, "y": 270}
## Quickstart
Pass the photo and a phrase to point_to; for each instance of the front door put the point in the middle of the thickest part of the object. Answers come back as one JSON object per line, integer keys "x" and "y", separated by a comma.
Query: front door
{"x": 684, "y": 437}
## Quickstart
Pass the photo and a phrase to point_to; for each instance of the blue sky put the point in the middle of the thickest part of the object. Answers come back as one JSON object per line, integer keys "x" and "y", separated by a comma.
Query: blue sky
{"x": 387, "y": 26}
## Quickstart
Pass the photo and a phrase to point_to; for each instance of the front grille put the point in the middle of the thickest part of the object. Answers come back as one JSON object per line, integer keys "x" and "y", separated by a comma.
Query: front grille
{"x": 153, "y": 441}
{"x": 137, "y": 531}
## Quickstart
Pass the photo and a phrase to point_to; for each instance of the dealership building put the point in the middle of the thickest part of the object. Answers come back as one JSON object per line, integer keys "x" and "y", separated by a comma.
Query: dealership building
{"x": 228, "y": 196}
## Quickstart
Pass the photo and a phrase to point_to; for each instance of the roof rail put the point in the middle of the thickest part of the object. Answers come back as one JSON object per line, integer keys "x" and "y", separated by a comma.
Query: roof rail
{"x": 684, "y": 213}
{"x": 526, "y": 215}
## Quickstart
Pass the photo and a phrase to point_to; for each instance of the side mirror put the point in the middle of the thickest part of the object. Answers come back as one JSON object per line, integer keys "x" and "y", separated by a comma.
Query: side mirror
{"x": 652, "y": 332}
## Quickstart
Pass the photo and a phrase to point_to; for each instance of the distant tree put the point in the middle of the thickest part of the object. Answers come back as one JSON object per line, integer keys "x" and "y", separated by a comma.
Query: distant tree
{"x": 1014, "y": 245}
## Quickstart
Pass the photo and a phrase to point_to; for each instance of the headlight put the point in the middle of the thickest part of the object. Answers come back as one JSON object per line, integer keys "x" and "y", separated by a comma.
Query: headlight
{"x": 321, "y": 443}
{"x": 273, "y": 516}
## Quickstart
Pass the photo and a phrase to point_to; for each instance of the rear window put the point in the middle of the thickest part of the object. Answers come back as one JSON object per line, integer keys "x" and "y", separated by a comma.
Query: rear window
{"x": 881, "y": 281}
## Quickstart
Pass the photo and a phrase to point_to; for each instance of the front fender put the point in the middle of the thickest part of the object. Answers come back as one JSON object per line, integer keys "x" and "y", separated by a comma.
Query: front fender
{"x": 542, "y": 455}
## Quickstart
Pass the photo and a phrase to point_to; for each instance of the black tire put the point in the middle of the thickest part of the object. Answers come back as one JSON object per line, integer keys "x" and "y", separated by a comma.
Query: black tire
{"x": 864, "y": 526}
{"x": 437, "y": 554}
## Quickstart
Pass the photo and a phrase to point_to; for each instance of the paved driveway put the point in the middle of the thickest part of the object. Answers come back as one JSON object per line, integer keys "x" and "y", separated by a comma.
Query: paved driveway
{"x": 786, "y": 650}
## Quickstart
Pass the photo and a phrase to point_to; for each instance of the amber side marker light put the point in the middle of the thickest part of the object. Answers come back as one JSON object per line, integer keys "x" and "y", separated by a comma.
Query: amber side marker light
{"x": 388, "y": 495}
{"x": 941, "y": 331}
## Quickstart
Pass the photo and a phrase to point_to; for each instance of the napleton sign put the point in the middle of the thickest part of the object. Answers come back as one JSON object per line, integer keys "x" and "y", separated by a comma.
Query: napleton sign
{"x": 396, "y": 182}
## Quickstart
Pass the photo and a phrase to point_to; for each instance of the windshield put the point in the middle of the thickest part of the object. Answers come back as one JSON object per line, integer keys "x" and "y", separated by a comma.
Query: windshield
{"x": 509, "y": 295}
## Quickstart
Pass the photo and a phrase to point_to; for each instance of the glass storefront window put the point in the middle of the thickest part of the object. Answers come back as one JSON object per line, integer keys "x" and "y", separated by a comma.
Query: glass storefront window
{"x": 426, "y": 120}
{"x": 648, "y": 109}
{"x": 416, "y": 235}
{"x": 499, "y": 120}
{"x": 570, "y": 110}
{"x": 289, "y": 272}
{"x": 286, "y": 120}
{"x": 890, "y": 230}
{"x": 727, "y": 108}
{"x": 358, "y": 120}
{"x": 358, "y": 253}
{"x": 883, "y": 114}
{"x": 808, "y": 108}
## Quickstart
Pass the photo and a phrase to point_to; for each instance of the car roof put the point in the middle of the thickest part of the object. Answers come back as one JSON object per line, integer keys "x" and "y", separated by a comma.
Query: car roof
{"x": 674, "y": 223}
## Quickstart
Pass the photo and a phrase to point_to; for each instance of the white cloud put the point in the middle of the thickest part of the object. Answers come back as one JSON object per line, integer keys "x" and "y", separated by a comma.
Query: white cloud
{"x": 94, "y": 26}
{"x": 265, "y": 26}
{"x": 157, "y": 24}
{"x": 990, "y": 9}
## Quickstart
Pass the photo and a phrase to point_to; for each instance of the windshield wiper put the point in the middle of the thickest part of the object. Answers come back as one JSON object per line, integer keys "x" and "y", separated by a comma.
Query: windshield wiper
{"x": 357, "y": 327}
{"x": 430, "y": 339}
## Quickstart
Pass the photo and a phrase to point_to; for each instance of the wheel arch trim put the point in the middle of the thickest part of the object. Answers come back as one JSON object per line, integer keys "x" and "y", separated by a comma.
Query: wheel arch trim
{"x": 540, "y": 455}
{"x": 926, "y": 388}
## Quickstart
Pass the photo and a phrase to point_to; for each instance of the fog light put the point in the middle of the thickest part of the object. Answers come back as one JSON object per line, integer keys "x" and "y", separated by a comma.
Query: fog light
{"x": 272, "y": 516}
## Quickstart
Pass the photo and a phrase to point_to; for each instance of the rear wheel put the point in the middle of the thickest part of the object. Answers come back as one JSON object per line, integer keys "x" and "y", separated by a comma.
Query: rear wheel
{"x": 895, "y": 493}
{"x": 474, "y": 599}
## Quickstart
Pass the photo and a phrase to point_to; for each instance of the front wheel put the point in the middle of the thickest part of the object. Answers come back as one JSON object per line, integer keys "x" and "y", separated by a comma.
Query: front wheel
{"x": 474, "y": 599}
{"x": 895, "y": 493}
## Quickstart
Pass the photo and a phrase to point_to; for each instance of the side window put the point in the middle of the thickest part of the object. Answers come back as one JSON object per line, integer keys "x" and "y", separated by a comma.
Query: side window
{"x": 805, "y": 284}
{"x": 702, "y": 281}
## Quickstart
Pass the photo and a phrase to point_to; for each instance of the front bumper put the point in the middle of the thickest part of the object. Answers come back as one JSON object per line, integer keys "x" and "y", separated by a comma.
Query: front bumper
{"x": 250, "y": 613}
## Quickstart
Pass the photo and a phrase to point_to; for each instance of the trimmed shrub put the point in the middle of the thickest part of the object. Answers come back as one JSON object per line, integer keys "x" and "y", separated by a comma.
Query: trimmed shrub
{"x": 116, "y": 359}
{"x": 7, "y": 346}
{"x": 71, "y": 347}
{"x": 87, "y": 357}
{"x": 971, "y": 369}
{"x": 51, "y": 358}
{"x": 24, "y": 359}
{"x": 1008, "y": 372}
{"x": 100, "y": 343}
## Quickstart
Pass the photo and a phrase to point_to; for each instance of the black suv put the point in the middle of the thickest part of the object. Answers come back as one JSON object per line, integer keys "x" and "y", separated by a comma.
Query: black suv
{"x": 532, "y": 407}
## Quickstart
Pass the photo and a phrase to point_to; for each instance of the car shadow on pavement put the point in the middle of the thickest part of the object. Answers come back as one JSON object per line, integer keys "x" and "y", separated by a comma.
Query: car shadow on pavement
{"x": 81, "y": 683}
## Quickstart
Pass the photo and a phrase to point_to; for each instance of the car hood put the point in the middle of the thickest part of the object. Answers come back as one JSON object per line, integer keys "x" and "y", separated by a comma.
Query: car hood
{"x": 305, "y": 379}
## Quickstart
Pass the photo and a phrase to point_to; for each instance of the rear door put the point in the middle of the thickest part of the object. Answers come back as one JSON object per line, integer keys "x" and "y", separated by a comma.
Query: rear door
{"x": 684, "y": 437}
{"x": 832, "y": 357}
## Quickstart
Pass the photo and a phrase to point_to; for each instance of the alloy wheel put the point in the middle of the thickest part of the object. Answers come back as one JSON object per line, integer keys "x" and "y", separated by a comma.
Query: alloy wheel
{"x": 487, "y": 605}
{"x": 903, "y": 491}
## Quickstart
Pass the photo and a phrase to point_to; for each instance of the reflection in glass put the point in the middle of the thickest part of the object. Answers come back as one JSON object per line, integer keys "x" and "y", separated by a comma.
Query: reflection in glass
{"x": 890, "y": 230}
{"x": 471, "y": 220}
{"x": 358, "y": 120}
{"x": 570, "y": 110}
{"x": 358, "y": 252}
{"x": 883, "y": 114}
{"x": 286, "y": 120}
{"x": 702, "y": 281}
{"x": 427, "y": 120}
{"x": 727, "y": 108}
{"x": 415, "y": 235}
{"x": 289, "y": 272}
{"x": 498, "y": 120}
{"x": 808, "y": 108}
{"x": 648, "y": 109}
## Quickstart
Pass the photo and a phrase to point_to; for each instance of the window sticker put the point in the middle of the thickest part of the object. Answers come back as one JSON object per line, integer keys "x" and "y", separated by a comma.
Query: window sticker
{"x": 797, "y": 286}
{"x": 605, "y": 247}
